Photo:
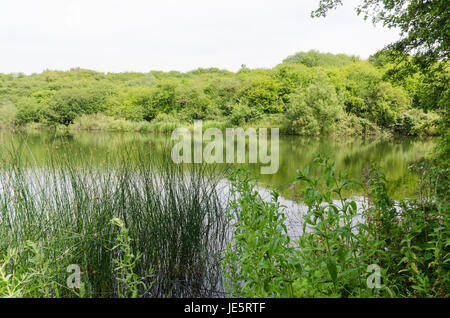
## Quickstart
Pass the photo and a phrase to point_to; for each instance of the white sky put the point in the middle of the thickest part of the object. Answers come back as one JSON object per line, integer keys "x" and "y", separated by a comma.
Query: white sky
{"x": 133, "y": 35}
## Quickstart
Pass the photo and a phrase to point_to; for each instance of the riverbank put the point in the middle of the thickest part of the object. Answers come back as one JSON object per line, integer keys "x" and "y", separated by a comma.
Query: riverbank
{"x": 166, "y": 125}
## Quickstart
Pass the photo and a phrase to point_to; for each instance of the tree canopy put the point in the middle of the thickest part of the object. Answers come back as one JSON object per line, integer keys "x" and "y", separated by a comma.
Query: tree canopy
{"x": 423, "y": 49}
{"x": 424, "y": 25}
{"x": 310, "y": 93}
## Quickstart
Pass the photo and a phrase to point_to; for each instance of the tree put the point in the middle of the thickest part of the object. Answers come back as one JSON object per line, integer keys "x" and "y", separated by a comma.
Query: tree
{"x": 67, "y": 104}
{"x": 314, "y": 58}
{"x": 314, "y": 110}
{"x": 424, "y": 44}
{"x": 424, "y": 25}
{"x": 424, "y": 47}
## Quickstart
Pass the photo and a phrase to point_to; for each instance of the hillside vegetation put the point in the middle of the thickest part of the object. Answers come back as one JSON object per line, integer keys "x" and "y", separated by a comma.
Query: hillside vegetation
{"x": 310, "y": 93}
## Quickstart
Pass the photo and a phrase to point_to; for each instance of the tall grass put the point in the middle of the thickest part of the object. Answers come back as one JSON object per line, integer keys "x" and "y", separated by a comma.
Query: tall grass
{"x": 175, "y": 217}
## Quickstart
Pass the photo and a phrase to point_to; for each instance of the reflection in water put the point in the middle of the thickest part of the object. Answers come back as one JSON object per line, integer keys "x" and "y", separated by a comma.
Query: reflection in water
{"x": 47, "y": 176}
{"x": 352, "y": 154}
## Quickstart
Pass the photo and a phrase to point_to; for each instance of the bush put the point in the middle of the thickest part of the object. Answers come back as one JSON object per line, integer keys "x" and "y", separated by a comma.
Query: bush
{"x": 242, "y": 114}
{"x": 67, "y": 104}
{"x": 345, "y": 249}
{"x": 352, "y": 125}
{"x": 8, "y": 114}
{"x": 416, "y": 122}
{"x": 387, "y": 104}
{"x": 265, "y": 94}
{"x": 315, "y": 110}
{"x": 193, "y": 103}
{"x": 258, "y": 261}
{"x": 315, "y": 58}
{"x": 320, "y": 94}
{"x": 28, "y": 111}
{"x": 133, "y": 104}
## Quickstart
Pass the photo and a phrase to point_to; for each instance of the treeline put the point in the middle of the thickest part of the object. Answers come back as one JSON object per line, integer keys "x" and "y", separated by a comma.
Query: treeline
{"x": 309, "y": 93}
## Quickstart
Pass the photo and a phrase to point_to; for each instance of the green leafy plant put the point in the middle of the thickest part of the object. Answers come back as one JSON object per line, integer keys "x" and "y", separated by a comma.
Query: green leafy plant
{"x": 344, "y": 244}
{"x": 258, "y": 261}
{"x": 128, "y": 282}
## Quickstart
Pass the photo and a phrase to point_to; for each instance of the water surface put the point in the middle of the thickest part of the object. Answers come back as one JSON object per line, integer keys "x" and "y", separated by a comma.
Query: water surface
{"x": 352, "y": 154}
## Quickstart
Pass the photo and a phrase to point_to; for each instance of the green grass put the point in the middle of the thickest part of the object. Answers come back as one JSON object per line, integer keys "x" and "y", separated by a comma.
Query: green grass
{"x": 174, "y": 216}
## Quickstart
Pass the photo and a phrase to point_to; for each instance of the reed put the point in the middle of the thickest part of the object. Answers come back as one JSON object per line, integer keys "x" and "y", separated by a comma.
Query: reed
{"x": 175, "y": 216}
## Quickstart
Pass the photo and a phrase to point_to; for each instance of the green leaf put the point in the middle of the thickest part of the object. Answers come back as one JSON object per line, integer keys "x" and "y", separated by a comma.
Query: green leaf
{"x": 332, "y": 269}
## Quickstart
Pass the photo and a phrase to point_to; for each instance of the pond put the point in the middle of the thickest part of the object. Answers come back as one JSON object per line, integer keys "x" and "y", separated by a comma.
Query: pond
{"x": 351, "y": 154}
{"x": 61, "y": 191}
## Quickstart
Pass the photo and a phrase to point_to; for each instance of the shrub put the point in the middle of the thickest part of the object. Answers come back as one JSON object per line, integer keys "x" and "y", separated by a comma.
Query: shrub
{"x": 28, "y": 111}
{"x": 342, "y": 242}
{"x": 67, "y": 104}
{"x": 265, "y": 94}
{"x": 315, "y": 58}
{"x": 416, "y": 122}
{"x": 351, "y": 125}
{"x": 242, "y": 114}
{"x": 8, "y": 114}
{"x": 258, "y": 261}
{"x": 192, "y": 103}
{"x": 315, "y": 110}
{"x": 133, "y": 104}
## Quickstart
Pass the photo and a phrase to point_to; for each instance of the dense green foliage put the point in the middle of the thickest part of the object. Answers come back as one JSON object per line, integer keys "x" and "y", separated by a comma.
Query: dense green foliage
{"x": 57, "y": 200}
{"x": 422, "y": 52}
{"x": 309, "y": 94}
{"x": 38, "y": 279}
{"x": 315, "y": 59}
{"x": 168, "y": 227}
{"x": 424, "y": 25}
{"x": 342, "y": 244}
{"x": 258, "y": 261}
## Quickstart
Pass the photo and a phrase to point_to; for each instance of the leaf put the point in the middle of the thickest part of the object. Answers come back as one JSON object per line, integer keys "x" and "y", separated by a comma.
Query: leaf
{"x": 332, "y": 269}
{"x": 349, "y": 182}
{"x": 353, "y": 205}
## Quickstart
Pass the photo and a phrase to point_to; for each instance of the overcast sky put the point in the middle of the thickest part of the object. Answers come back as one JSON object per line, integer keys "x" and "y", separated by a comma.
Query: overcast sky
{"x": 135, "y": 35}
